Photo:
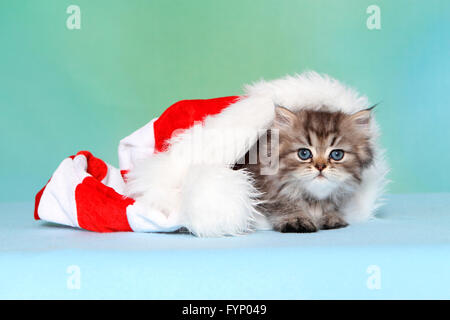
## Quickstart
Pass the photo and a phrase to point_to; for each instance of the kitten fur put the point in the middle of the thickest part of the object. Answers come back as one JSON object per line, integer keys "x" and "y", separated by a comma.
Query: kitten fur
{"x": 307, "y": 195}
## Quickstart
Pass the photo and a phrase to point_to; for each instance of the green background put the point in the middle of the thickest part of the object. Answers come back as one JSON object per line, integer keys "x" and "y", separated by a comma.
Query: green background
{"x": 66, "y": 90}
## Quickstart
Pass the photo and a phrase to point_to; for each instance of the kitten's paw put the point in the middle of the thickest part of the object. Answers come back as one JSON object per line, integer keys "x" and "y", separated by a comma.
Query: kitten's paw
{"x": 332, "y": 221}
{"x": 297, "y": 225}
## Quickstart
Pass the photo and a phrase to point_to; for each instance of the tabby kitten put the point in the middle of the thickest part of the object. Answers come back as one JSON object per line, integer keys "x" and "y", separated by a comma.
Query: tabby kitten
{"x": 321, "y": 158}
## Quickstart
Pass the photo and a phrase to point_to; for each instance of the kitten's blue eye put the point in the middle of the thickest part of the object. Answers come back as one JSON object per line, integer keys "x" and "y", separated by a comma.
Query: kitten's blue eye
{"x": 337, "y": 154}
{"x": 304, "y": 153}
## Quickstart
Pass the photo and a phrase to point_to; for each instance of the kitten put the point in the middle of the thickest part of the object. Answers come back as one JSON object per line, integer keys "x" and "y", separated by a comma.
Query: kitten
{"x": 322, "y": 155}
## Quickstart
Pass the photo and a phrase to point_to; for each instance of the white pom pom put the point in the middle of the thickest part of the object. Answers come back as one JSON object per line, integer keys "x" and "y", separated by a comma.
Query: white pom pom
{"x": 218, "y": 201}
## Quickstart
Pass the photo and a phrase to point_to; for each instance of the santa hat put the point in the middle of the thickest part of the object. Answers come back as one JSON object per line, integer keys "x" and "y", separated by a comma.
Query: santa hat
{"x": 175, "y": 179}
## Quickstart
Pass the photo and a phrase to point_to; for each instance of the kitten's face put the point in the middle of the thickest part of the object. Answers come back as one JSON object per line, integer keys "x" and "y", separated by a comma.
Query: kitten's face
{"x": 322, "y": 152}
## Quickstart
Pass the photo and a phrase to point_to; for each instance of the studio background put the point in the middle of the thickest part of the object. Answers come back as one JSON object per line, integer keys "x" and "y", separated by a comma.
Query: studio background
{"x": 66, "y": 90}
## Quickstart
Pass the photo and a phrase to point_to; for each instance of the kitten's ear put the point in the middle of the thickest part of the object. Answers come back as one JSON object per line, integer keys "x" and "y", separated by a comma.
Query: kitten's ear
{"x": 362, "y": 118}
{"x": 283, "y": 117}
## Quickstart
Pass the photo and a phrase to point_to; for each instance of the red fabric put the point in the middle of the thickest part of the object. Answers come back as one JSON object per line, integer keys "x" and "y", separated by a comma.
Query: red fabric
{"x": 123, "y": 173}
{"x": 37, "y": 200}
{"x": 95, "y": 166}
{"x": 183, "y": 114}
{"x": 100, "y": 208}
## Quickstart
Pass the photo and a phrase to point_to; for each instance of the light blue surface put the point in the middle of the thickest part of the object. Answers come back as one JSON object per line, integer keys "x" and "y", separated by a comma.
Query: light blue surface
{"x": 409, "y": 242}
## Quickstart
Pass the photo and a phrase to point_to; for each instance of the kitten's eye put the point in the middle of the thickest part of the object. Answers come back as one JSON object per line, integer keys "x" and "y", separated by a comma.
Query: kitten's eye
{"x": 337, "y": 154}
{"x": 304, "y": 153}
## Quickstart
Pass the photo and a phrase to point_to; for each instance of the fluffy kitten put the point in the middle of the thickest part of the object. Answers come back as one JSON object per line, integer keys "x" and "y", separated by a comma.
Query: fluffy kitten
{"x": 321, "y": 158}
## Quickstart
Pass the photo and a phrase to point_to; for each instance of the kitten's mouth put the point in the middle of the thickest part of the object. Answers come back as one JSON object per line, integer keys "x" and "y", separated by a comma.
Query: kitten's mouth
{"x": 320, "y": 176}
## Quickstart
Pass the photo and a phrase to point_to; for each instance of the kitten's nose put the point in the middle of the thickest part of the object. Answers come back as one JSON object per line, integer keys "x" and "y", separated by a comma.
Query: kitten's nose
{"x": 320, "y": 166}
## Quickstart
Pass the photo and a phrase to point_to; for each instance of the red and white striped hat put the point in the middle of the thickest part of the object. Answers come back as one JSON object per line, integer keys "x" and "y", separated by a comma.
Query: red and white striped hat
{"x": 87, "y": 192}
